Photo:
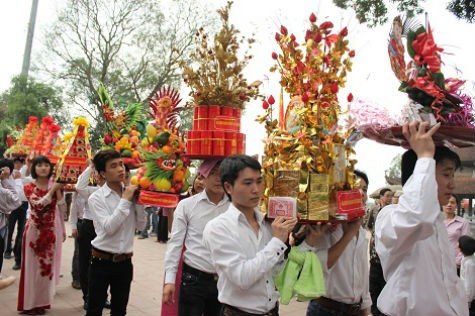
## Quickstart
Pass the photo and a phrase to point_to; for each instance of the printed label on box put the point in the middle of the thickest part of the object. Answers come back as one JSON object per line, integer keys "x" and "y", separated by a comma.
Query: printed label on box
{"x": 282, "y": 206}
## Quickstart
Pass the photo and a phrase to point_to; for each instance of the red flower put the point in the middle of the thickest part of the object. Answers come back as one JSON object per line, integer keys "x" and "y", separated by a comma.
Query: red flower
{"x": 283, "y": 30}
{"x": 305, "y": 97}
{"x": 277, "y": 36}
{"x": 313, "y": 18}
{"x": 274, "y": 55}
{"x": 326, "y": 25}
{"x": 271, "y": 100}
{"x": 317, "y": 38}
{"x": 334, "y": 87}
{"x": 265, "y": 105}
{"x": 350, "y": 97}
{"x": 292, "y": 37}
{"x": 344, "y": 32}
{"x": 351, "y": 53}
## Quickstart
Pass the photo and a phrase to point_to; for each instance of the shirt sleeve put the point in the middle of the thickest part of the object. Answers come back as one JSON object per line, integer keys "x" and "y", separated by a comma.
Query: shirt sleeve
{"x": 467, "y": 274}
{"x": 109, "y": 223}
{"x": 399, "y": 226}
{"x": 227, "y": 256}
{"x": 9, "y": 199}
{"x": 77, "y": 206}
{"x": 175, "y": 244}
{"x": 82, "y": 186}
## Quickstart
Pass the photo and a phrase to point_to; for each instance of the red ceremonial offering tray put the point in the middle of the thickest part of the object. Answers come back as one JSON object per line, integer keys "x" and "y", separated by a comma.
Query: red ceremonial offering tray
{"x": 215, "y": 133}
{"x": 451, "y": 135}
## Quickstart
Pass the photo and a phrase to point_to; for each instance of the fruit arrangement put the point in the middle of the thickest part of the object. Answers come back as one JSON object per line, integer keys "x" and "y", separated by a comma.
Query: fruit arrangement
{"x": 122, "y": 129}
{"x": 22, "y": 147}
{"x": 164, "y": 167}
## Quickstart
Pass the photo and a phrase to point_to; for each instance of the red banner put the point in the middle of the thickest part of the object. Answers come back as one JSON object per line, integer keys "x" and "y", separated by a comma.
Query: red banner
{"x": 160, "y": 199}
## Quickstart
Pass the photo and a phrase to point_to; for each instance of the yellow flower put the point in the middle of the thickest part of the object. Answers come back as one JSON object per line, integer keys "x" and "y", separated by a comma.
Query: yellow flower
{"x": 165, "y": 102}
{"x": 78, "y": 121}
{"x": 67, "y": 137}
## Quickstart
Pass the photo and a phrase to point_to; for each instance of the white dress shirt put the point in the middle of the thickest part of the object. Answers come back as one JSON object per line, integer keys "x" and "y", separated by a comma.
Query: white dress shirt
{"x": 85, "y": 190}
{"x": 77, "y": 210}
{"x": 347, "y": 281}
{"x": 416, "y": 256}
{"x": 189, "y": 220}
{"x": 115, "y": 220}
{"x": 467, "y": 275}
{"x": 244, "y": 262}
{"x": 9, "y": 200}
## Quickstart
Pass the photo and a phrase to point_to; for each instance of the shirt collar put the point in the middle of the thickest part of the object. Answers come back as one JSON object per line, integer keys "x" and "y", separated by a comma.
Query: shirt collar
{"x": 237, "y": 214}
{"x": 203, "y": 196}
{"x": 107, "y": 190}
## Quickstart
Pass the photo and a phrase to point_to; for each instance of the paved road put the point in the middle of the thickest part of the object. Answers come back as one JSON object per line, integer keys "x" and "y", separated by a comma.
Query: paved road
{"x": 146, "y": 292}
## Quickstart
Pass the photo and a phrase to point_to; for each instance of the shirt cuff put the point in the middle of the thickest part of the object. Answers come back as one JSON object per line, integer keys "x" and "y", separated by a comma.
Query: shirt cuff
{"x": 170, "y": 278}
{"x": 279, "y": 246}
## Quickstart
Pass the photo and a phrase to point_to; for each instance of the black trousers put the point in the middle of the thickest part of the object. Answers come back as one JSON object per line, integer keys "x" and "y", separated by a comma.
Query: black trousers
{"x": 376, "y": 285}
{"x": 86, "y": 234}
{"x": 17, "y": 217}
{"x": 75, "y": 261}
{"x": 105, "y": 273}
{"x": 2, "y": 248}
{"x": 198, "y": 295}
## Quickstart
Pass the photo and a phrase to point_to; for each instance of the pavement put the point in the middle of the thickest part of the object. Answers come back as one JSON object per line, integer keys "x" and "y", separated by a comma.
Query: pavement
{"x": 146, "y": 291}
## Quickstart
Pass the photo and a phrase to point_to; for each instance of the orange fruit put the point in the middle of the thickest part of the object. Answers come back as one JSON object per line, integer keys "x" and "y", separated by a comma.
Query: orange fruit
{"x": 134, "y": 180}
{"x": 145, "y": 182}
{"x": 167, "y": 149}
{"x": 136, "y": 155}
{"x": 178, "y": 175}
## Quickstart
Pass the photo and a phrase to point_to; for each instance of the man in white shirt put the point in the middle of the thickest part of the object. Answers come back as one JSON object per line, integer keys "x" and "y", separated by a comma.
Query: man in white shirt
{"x": 115, "y": 218}
{"x": 17, "y": 217}
{"x": 198, "y": 290}
{"x": 411, "y": 238}
{"x": 9, "y": 201}
{"x": 85, "y": 231}
{"x": 343, "y": 252}
{"x": 244, "y": 248}
{"x": 76, "y": 214}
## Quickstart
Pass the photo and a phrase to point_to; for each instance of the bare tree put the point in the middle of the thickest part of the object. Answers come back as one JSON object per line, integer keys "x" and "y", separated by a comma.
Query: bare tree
{"x": 132, "y": 46}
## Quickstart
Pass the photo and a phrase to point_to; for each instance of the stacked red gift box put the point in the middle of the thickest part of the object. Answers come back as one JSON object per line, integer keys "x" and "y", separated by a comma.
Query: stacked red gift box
{"x": 216, "y": 132}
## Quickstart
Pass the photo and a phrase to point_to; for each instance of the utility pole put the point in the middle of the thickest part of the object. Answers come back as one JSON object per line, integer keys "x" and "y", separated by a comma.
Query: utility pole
{"x": 29, "y": 39}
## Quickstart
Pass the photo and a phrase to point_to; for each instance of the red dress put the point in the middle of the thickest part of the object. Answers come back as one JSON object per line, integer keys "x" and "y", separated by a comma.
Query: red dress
{"x": 37, "y": 284}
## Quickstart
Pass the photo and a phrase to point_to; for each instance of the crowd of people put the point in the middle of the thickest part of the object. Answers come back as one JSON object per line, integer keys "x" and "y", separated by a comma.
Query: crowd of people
{"x": 223, "y": 255}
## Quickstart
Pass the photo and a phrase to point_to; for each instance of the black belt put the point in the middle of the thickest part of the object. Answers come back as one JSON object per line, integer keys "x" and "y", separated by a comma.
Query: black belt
{"x": 229, "y": 310}
{"x": 472, "y": 305}
{"x": 202, "y": 275}
{"x": 347, "y": 309}
{"x": 114, "y": 257}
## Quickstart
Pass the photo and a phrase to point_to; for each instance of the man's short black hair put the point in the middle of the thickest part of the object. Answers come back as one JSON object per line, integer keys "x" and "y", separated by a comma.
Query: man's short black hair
{"x": 231, "y": 166}
{"x": 102, "y": 157}
{"x": 7, "y": 163}
{"x": 409, "y": 158}
{"x": 467, "y": 245}
{"x": 362, "y": 175}
{"x": 36, "y": 161}
{"x": 382, "y": 192}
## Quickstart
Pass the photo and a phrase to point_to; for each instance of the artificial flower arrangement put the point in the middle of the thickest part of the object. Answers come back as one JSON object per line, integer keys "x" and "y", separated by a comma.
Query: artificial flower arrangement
{"x": 434, "y": 98}
{"x": 165, "y": 167}
{"x": 219, "y": 91}
{"x": 73, "y": 161}
{"x": 24, "y": 143}
{"x": 306, "y": 157}
{"x": 122, "y": 133}
{"x": 47, "y": 141}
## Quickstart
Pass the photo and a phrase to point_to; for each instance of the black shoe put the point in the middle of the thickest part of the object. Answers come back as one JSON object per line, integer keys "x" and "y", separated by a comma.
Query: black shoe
{"x": 76, "y": 285}
{"x": 7, "y": 255}
{"x": 107, "y": 304}
{"x": 17, "y": 266}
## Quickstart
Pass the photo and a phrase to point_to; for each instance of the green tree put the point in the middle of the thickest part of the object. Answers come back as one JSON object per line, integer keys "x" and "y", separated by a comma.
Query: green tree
{"x": 393, "y": 173}
{"x": 27, "y": 97}
{"x": 132, "y": 46}
{"x": 374, "y": 12}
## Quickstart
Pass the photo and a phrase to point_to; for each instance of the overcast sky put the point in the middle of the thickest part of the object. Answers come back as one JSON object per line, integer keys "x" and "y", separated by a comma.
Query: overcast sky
{"x": 371, "y": 79}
